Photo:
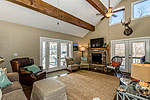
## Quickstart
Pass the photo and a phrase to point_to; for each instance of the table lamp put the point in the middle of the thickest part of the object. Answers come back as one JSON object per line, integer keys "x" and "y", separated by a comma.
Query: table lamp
{"x": 82, "y": 49}
{"x": 1, "y": 59}
{"x": 141, "y": 72}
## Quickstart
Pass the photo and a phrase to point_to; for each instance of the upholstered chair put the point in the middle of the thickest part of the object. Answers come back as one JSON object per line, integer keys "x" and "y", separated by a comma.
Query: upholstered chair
{"x": 26, "y": 77}
{"x": 71, "y": 66}
{"x": 115, "y": 64}
{"x": 84, "y": 63}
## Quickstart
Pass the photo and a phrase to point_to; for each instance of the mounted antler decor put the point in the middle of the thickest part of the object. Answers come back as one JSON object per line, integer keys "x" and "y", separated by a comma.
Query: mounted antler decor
{"x": 128, "y": 30}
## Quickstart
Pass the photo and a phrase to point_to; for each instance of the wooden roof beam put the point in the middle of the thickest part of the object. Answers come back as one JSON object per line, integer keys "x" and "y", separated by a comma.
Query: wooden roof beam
{"x": 47, "y": 9}
{"x": 98, "y": 5}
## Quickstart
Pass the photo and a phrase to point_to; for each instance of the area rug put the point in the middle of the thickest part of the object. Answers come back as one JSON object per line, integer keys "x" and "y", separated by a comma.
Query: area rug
{"x": 86, "y": 85}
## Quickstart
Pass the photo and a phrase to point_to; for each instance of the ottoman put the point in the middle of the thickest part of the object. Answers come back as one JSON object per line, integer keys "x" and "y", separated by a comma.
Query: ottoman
{"x": 48, "y": 89}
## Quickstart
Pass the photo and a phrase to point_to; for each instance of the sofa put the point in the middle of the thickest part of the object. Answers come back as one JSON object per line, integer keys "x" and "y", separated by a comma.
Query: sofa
{"x": 14, "y": 91}
{"x": 26, "y": 77}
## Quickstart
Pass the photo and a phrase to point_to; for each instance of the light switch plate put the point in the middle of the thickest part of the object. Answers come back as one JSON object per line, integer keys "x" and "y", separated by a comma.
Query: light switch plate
{"x": 15, "y": 54}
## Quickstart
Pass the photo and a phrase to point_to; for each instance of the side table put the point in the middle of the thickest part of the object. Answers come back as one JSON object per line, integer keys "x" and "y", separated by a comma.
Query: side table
{"x": 128, "y": 92}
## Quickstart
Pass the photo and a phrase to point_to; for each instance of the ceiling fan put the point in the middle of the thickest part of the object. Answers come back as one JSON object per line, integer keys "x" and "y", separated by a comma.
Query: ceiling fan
{"x": 110, "y": 12}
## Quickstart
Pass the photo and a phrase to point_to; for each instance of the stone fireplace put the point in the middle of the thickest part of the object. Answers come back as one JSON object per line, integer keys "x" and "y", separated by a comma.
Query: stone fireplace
{"x": 97, "y": 55}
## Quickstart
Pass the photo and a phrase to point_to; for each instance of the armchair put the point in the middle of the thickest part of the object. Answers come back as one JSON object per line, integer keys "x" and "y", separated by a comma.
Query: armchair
{"x": 84, "y": 63}
{"x": 25, "y": 76}
{"x": 71, "y": 65}
{"x": 115, "y": 65}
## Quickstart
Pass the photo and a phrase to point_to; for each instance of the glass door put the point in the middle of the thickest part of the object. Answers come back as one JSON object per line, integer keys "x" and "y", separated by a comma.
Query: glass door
{"x": 131, "y": 51}
{"x": 137, "y": 49}
{"x": 120, "y": 49}
{"x": 53, "y": 55}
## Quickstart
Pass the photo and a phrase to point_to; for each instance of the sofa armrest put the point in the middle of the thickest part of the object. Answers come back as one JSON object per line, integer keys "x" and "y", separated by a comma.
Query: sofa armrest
{"x": 41, "y": 67}
{"x": 24, "y": 73}
{"x": 13, "y": 76}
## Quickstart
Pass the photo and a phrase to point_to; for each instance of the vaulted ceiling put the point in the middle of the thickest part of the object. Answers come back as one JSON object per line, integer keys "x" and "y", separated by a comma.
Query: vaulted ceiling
{"x": 79, "y": 8}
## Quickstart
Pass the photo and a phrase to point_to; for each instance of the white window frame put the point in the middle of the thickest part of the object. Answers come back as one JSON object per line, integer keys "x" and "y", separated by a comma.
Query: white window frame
{"x": 123, "y": 7}
{"x": 132, "y": 10}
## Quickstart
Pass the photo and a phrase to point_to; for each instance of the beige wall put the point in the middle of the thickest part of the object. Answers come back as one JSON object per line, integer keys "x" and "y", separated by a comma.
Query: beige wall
{"x": 25, "y": 41}
{"x": 141, "y": 27}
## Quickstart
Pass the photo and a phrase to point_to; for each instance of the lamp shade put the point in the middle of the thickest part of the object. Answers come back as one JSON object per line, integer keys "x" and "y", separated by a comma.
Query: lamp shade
{"x": 82, "y": 48}
{"x": 141, "y": 72}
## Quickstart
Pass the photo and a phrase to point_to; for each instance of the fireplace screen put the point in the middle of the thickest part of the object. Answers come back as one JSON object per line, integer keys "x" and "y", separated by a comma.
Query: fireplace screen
{"x": 96, "y": 58}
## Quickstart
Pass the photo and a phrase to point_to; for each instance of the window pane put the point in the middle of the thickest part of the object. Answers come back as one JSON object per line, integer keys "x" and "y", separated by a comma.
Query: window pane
{"x": 138, "y": 51}
{"x": 44, "y": 55}
{"x": 120, "y": 51}
{"x": 70, "y": 50}
{"x": 53, "y": 54}
{"x": 63, "y": 53}
{"x": 141, "y": 9}
{"x": 120, "y": 16}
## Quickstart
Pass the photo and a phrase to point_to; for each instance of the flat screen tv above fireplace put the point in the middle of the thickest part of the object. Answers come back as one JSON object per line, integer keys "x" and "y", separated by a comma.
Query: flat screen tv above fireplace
{"x": 97, "y": 43}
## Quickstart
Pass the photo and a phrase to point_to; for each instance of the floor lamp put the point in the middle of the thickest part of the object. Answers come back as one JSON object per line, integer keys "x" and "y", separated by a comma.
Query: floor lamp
{"x": 82, "y": 49}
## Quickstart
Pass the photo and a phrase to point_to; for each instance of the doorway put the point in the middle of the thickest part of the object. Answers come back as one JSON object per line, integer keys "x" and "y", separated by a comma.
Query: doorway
{"x": 131, "y": 51}
{"x": 53, "y": 53}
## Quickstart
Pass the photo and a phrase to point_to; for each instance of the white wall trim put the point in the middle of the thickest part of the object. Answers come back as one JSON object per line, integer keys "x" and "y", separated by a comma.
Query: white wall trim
{"x": 148, "y": 37}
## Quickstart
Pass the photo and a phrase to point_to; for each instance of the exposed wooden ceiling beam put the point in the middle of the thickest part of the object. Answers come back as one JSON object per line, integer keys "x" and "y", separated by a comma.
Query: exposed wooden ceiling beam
{"x": 97, "y": 4}
{"x": 45, "y": 8}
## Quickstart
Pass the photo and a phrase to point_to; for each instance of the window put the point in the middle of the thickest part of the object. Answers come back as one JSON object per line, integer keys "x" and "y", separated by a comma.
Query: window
{"x": 141, "y": 9}
{"x": 119, "y": 16}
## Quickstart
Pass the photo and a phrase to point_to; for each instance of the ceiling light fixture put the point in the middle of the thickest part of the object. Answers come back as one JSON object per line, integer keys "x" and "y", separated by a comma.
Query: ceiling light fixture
{"x": 109, "y": 12}
{"x": 58, "y": 23}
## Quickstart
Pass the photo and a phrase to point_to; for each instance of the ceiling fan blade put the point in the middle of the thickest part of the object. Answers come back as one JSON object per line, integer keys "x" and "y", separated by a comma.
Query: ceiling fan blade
{"x": 114, "y": 15}
{"x": 119, "y": 10}
{"x": 103, "y": 18}
{"x": 98, "y": 14}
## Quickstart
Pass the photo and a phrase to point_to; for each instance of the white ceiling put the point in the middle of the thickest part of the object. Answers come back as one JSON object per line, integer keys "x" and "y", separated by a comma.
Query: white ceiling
{"x": 80, "y": 8}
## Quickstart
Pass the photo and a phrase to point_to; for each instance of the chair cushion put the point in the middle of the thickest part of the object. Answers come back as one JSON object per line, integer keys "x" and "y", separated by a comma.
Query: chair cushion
{"x": 115, "y": 64}
{"x": 111, "y": 67}
{"x": 14, "y": 95}
{"x": 34, "y": 68}
{"x": 4, "y": 81}
{"x": 15, "y": 86}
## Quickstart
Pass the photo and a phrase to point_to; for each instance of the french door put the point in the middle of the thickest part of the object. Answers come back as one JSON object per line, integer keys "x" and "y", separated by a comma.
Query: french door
{"x": 131, "y": 51}
{"x": 53, "y": 53}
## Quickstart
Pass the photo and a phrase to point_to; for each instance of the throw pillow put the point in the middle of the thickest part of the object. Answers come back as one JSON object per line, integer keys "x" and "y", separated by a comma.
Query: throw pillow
{"x": 4, "y": 70}
{"x": 34, "y": 68}
{"x": 83, "y": 58}
{"x": 115, "y": 64}
{"x": 4, "y": 81}
{"x": 0, "y": 94}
